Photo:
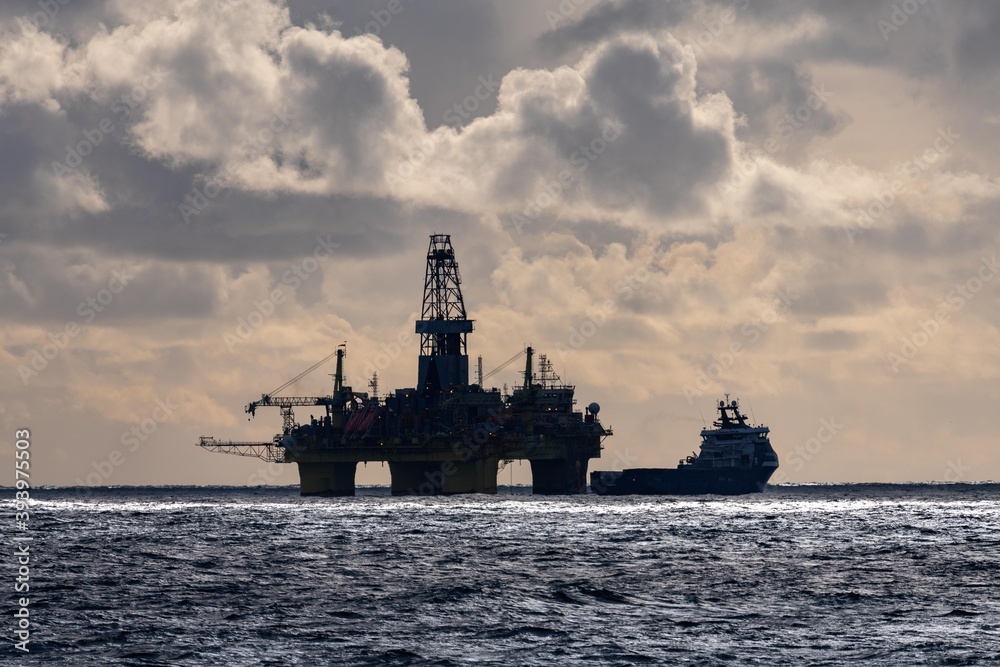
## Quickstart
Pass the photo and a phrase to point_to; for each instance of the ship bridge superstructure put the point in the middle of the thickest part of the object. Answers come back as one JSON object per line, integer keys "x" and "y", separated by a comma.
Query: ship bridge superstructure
{"x": 734, "y": 442}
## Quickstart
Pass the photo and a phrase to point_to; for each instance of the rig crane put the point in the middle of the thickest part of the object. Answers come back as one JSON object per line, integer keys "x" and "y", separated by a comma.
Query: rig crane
{"x": 274, "y": 451}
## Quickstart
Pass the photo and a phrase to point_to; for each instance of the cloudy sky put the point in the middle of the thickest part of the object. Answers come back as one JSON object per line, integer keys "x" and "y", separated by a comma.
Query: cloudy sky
{"x": 796, "y": 203}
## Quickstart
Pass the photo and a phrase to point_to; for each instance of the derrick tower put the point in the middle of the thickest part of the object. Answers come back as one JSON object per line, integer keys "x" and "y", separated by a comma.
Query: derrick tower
{"x": 443, "y": 325}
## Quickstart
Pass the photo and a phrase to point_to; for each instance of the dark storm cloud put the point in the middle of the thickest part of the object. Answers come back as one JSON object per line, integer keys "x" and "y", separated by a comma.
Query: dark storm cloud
{"x": 769, "y": 94}
{"x": 120, "y": 199}
{"x": 144, "y": 195}
{"x": 768, "y": 198}
{"x": 978, "y": 52}
{"x": 918, "y": 240}
{"x": 75, "y": 286}
{"x": 30, "y": 140}
{"x": 241, "y": 226}
{"x": 763, "y": 91}
{"x": 165, "y": 153}
{"x": 663, "y": 149}
{"x": 45, "y": 165}
{"x": 830, "y": 293}
{"x": 349, "y": 92}
{"x": 607, "y": 19}
{"x": 929, "y": 37}
{"x": 623, "y": 127}
{"x": 72, "y": 20}
{"x": 445, "y": 64}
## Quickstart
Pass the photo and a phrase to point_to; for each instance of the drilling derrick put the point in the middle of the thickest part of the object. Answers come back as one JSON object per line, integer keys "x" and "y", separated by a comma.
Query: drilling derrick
{"x": 443, "y": 325}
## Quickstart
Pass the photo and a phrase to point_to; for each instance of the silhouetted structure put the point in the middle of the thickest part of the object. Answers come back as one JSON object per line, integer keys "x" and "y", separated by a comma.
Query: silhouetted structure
{"x": 444, "y": 435}
{"x": 735, "y": 458}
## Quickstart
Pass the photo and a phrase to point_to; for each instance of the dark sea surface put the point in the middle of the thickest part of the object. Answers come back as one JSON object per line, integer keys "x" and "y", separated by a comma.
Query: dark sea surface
{"x": 799, "y": 575}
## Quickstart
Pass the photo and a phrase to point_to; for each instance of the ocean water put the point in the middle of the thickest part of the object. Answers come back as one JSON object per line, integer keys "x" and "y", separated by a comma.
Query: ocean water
{"x": 799, "y": 575}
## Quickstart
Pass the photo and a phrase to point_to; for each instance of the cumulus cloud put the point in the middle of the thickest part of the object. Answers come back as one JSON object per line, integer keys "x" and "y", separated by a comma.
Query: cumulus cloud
{"x": 333, "y": 115}
{"x": 276, "y": 107}
{"x": 622, "y": 131}
{"x": 32, "y": 67}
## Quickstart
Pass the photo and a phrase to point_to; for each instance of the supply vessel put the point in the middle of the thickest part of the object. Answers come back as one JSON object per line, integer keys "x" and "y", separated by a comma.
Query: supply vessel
{"x": 444, "y": 435}
{"x": 736, "y": 458}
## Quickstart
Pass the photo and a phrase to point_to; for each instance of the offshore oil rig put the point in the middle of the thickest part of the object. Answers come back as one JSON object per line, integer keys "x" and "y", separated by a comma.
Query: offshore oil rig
{"x": 445, "y": 435}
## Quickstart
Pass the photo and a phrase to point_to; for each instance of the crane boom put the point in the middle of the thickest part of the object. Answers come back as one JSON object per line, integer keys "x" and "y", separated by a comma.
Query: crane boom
{"x": 266, "y": 451}
{"x": 288, "y": 402}
{"x": 306, "y": 372}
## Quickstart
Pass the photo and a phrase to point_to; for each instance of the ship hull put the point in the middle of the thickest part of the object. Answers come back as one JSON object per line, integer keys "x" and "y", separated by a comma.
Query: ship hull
{"x": 685, "y": 481}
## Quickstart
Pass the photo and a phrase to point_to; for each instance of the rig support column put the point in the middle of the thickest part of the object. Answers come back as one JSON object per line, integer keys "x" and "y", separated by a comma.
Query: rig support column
{"x": 476, "y": 476}
{"x": 327, "y": 479}
{"x": 408, "y": 476}
{"x": 558, "y": 477}
{"x": 436, "y": 478}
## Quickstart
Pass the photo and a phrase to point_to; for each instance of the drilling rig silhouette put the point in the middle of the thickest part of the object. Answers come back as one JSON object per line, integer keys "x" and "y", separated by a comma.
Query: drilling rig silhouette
{"x": 443, "y": 436}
